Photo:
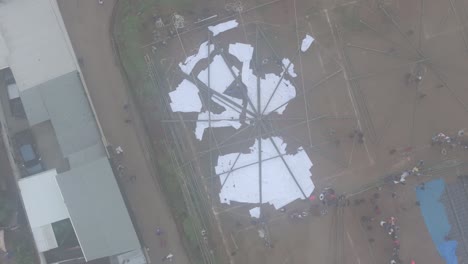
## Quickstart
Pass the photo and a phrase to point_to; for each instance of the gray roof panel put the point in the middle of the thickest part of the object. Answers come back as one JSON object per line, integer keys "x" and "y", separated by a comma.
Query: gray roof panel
{"x": 36, "y": 112}
{"x": 86, "y": 155}
{"x": 70, "y": 113}
{"x": 97, "y": 210}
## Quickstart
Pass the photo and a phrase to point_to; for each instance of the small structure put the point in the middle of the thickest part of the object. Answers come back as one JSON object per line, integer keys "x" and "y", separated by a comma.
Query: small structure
{"x": 44, "y": 205}
{"x": 89, "y": 197}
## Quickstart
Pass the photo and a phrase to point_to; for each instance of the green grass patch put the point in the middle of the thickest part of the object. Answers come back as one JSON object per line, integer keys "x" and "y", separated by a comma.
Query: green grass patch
{"x": 6, "y": 209}
{"x": 127, "y": 32}
{"x": 177, "y": 4}
{"x": 191, "y": 228}
{"x": 128, "y": 37}
{"x": 172, "y": 188}
{"x": 190, "y": 231}
{"x": 143, "y": 6}
{"x": 188, "y": 226}
{"x": 23, "y": 250}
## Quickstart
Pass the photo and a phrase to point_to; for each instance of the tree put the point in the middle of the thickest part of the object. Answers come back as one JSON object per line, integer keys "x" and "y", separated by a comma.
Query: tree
{"x": 6, "y": 209}
{"x": 23, "y": 250}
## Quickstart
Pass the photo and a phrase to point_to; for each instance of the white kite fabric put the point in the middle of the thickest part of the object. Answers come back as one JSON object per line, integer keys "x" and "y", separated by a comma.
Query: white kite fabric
{"x": 185, "y": 98}
{"x": 227, "y": 118}
{"x": 273, "y": 99}
{"x": 275, "y": 91}
{"x": 220, "y": 75}
{"x": 240, "y": 179}
{"x": 286, "y": 63}
{"x": 284, "y": 177}
{"x": 243, "y": 52}
{"x": 306, "y": 42}
{"x": 223, "y": 27}
{"x": 255, "y": 212}
{"x": 203, "y": 52}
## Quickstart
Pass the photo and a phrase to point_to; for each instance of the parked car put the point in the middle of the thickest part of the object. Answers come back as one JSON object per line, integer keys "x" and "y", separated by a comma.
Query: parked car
{"x": 26, "y": 147}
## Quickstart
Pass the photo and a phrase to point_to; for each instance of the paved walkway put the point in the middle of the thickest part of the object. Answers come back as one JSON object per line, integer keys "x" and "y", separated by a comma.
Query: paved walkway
{"x": 87, "y": 23}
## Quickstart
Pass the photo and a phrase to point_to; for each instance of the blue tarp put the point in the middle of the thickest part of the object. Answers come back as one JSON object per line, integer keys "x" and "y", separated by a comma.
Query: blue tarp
{"x": 447, "y": 249}
{"x": 436, "y": 219}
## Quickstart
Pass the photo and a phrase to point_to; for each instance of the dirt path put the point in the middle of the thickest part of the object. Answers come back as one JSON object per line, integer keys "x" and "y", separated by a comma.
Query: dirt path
{"x": 87, "y": 23}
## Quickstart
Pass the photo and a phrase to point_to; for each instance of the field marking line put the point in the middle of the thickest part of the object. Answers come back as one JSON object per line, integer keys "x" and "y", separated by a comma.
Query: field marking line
{"x": 234, "y": 241}
{"x": 371, "y": 160}
{"x": 243, "y": 26}
{"x": 352, "y": 247}
{"x": 351, "y": 155}
{"x": 460, "y": 23}
{"x": 181, "y": 43}
{"x": 269, "y": 221}
{"x": 306, "y": 106}
{"x": 334, "y": 38}
{"x": 317, "y": 42}
{"x": 442, "y": 33}
{"x": 421, "y": 24}
{"x": 319, "y": 55}
{"x": 341, "y": 173}
{"x": 227, "y": 209}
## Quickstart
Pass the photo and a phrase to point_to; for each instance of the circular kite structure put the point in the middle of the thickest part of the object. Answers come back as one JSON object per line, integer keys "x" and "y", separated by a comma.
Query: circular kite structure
{"x": 231, "y": 91}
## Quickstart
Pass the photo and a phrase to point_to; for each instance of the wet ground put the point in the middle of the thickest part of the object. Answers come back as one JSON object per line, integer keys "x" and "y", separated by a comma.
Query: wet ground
{"x": 392, "y": 71}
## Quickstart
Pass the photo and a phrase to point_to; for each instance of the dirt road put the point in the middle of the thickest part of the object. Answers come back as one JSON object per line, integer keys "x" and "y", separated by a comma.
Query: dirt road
{"x": 88, "y": 24}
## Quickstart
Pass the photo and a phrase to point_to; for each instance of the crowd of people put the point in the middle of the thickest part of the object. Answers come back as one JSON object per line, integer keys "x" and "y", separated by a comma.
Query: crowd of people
{"x": 414, "y": 171}
{"x": 391, "y": 228}
{"x": 457, "y": 141}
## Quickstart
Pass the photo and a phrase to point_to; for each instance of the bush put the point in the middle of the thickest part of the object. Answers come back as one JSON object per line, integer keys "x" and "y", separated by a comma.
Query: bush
{"x": 6, "y": 210}
{"x": 23, "y": 250}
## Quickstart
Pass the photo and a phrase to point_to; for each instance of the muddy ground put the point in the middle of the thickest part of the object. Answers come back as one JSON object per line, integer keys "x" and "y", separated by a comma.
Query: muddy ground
{"x": 359, "y": 75}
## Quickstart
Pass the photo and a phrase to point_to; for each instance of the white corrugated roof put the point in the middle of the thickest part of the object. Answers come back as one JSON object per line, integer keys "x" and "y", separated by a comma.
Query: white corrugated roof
{"x": 36, "y": 41}
{"x": 44, "y": 237}
{"x": 43, "y": 199}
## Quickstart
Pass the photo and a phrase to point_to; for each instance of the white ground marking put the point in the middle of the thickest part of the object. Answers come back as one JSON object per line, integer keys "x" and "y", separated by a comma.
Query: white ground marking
{"x": 352, "y": 247}
{"x": 356, "y": 113}
{"x": 306, "y": 42}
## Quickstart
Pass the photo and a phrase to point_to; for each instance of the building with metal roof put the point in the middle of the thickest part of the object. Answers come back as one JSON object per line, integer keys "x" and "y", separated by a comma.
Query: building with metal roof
{"x": 36, "y": 44}
{"x": 89, "y": 189}
{"x": 37, "y": 191}
{"x": 101, "y": 224}
{"x": 62, "y": 101}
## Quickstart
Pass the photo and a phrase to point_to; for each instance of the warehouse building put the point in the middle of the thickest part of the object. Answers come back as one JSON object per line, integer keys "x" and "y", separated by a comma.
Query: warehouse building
{"x": 72, "y": 178}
